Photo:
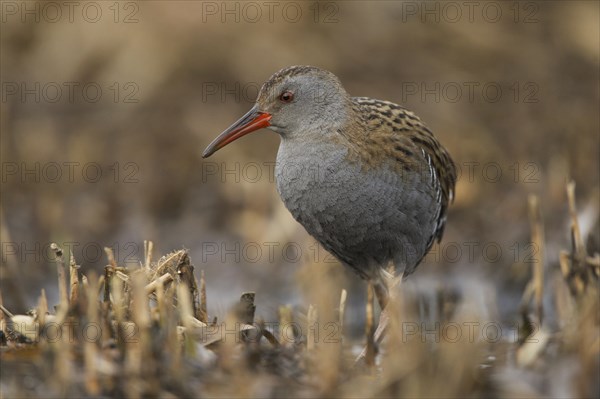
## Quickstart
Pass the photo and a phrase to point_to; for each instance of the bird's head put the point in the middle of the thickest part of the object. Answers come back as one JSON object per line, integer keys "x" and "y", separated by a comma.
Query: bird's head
{"x": 295, "y": 101}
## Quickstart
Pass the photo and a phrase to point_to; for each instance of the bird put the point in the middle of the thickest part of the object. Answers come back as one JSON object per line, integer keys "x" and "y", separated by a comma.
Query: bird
{"x": 366, "y": 178}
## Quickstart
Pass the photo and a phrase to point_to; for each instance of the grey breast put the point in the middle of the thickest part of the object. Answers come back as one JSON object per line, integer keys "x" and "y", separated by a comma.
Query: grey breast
{"x": 365, "y": 218}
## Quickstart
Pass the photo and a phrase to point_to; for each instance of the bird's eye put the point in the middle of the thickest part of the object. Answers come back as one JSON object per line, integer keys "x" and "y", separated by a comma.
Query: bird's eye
{"x": 286, "y": 97}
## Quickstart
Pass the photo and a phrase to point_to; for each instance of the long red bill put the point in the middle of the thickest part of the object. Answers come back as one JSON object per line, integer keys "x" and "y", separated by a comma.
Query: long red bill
{"x": 251, "y": 121}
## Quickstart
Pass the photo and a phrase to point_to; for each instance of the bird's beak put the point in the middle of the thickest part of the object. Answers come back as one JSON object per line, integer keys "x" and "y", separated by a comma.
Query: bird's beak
{"x": 253, "y": 120}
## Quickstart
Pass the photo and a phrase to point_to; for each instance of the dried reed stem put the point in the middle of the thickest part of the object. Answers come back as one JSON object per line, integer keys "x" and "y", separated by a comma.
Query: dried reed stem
{"x": 138, "y": 352}
{"x": 313, "y": 319}
{"x": 578, "y": 245}
{"x": 3, "y": 311}
{"x": 184, "y": 302}
{"x": 203, "y": 313}
{"x": 148, "y": 250}
{"x": 111, "y": 257}
{"x": 73, "y": 279}
{"x": 537, "y": 238}
{"x": 343, "y": 297}
{"x": 370, "y": 327}
{"x": 62, "y": 281}
{"x": 159, "y": 282}
{"x": 90, "y": 350}
{"x": 286, "y": 331}
{"x": 574, "y": 265}
{"x": 42, "y": 309}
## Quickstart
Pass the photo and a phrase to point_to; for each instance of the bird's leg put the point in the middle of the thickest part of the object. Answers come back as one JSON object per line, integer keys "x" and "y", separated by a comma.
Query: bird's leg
{"x": 382, "y": 293}
{"x": 383, "y": 297}
{"x": 380, "y": 286}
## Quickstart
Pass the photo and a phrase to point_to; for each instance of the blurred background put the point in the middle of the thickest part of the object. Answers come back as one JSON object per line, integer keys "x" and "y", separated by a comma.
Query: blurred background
{"x": 106, "y": 108}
